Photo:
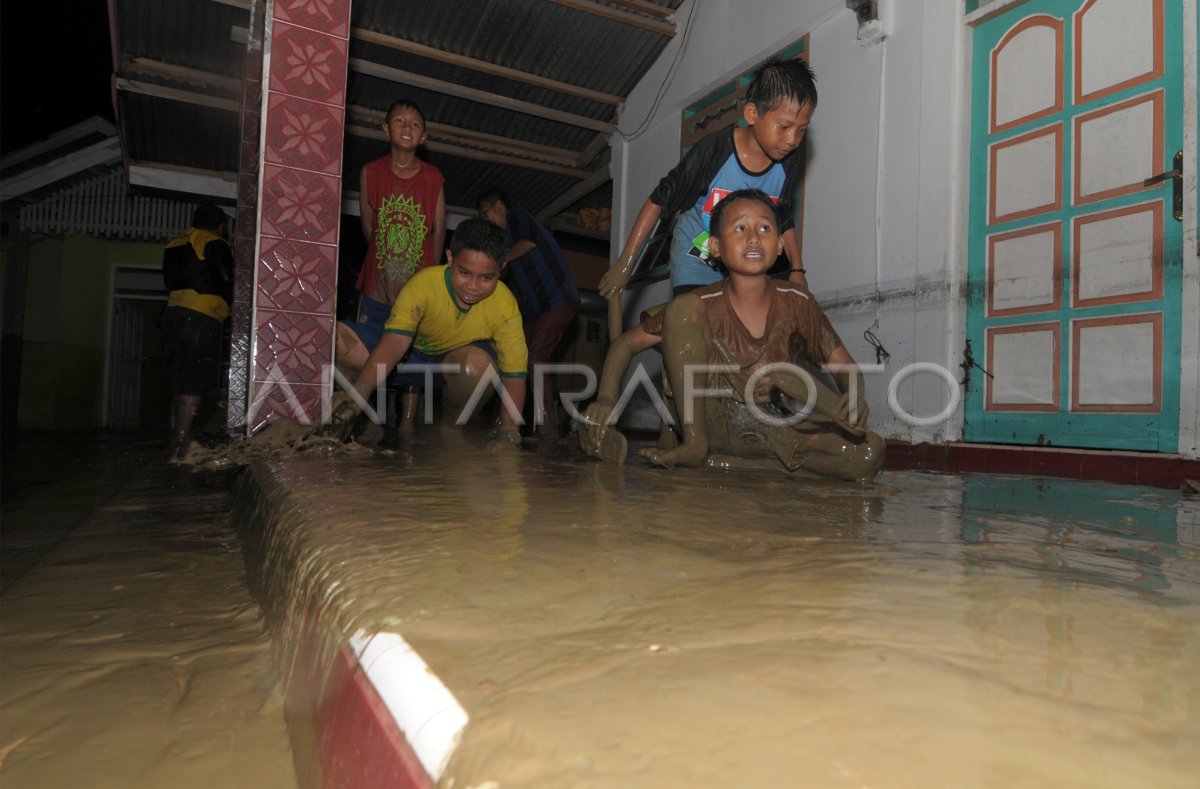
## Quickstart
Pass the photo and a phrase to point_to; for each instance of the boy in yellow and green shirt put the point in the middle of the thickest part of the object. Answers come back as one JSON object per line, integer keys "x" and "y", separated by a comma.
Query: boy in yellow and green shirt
{"x": 459, "y": 314}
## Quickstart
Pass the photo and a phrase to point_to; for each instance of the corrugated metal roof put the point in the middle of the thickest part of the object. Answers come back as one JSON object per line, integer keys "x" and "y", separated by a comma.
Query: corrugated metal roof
{"x": 184, "y": 40}
{"x": 178, "y": 134}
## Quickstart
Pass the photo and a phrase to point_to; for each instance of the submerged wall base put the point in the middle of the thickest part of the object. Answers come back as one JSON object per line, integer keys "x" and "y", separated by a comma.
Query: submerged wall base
{"x": 1140, "y": 468}
{"x": 339, "y": 708}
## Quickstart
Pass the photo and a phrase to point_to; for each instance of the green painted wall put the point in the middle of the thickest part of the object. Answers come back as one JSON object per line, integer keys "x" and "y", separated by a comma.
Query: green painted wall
{"x": 67, "y": 308}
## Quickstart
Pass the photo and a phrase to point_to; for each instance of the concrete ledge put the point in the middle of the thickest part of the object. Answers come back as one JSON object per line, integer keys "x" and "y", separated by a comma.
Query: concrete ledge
{"x": 362, "y": 710}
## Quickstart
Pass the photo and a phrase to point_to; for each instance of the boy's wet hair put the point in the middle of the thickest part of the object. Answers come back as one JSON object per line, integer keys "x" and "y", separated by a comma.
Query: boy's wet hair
{"x": 757, "y": 195}
{"x": 479, "y": 235}
{"x": 777, "y": 81}
{"x": 208, "y": 217}
{"x": 493, "y": 195}
{"x": 405, "y": 104}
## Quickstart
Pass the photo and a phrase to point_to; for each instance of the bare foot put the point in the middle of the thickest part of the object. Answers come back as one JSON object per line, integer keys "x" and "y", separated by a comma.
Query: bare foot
{"x": 690, "y": 455}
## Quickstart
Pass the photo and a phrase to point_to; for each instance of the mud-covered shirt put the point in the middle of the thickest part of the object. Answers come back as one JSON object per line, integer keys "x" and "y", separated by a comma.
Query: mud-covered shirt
{"x": 796, "y": 326}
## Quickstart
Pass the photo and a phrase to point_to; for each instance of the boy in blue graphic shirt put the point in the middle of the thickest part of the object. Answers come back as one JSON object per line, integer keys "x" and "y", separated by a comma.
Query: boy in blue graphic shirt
{"x": 763, "y": 154}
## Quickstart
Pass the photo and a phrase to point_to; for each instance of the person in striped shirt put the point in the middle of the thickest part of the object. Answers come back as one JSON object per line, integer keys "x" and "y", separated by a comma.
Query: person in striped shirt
{"x": 537, "y": 273}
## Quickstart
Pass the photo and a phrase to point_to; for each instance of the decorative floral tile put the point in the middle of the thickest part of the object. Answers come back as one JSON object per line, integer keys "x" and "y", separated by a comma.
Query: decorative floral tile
{"x": 308, "y": 64}
{"x": 327, "y": 16}
{"x": 304, "y": 134}
{"x": 280, "y": 399}
{"x": 291, "y": 345}
{"x": 297, "y": 276}
{"x": 300, "y": 205}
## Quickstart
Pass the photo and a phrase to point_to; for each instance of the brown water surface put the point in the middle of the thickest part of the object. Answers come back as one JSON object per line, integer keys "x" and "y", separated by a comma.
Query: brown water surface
{"x": 609, "y": 627}
{"x": 646, "y": 627}
{"x": 131, "y": 653}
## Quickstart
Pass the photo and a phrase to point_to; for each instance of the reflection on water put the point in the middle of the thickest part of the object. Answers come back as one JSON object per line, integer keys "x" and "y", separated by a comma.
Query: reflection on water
{"x": 1081, "y": 533}
{"x": 637, "y": 626}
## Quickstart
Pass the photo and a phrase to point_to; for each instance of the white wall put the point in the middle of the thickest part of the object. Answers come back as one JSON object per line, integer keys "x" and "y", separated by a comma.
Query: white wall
{"x": 881, "y": 219}
{"x": 900, "y": 257}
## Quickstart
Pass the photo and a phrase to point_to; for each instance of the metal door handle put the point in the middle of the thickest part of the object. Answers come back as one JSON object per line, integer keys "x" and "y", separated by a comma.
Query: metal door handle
{"x": 1176, "y": 178}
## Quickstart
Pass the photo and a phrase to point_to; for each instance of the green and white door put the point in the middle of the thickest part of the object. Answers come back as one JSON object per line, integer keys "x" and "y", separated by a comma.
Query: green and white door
{"x": 1075, "y": 278}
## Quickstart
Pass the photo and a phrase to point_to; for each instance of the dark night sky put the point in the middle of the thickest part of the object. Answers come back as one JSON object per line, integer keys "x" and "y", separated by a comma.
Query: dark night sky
{"x": 55, "y": 67}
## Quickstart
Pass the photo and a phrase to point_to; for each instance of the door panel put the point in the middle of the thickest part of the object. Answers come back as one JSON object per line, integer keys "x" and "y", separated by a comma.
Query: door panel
{"x": 1075, "y": 263}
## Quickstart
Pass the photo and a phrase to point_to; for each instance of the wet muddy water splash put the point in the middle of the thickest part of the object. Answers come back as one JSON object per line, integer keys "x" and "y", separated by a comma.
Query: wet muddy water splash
{"x": 632, "y": 626}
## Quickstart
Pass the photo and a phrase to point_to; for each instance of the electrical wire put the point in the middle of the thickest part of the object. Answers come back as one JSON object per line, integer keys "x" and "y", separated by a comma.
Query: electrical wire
{"x": 670, "y": 75}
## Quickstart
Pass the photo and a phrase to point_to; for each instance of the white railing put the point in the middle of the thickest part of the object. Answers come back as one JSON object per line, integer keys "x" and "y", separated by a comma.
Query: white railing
{"x": 103, "y": 206}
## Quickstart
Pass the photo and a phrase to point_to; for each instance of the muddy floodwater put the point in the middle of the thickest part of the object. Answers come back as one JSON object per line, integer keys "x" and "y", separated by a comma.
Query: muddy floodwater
{"x": 131, "y": 652}
{"x": 608, "y": 627}
{"x": 646, "y": 627}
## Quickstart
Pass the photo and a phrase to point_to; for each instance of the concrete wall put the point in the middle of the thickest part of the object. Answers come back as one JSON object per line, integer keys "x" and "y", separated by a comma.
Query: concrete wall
{"x": 67, "y": 314}
{"x": 882, "y": 219}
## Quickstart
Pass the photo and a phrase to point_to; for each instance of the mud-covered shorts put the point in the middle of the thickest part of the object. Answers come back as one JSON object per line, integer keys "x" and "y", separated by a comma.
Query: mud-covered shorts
{"x": 192, "y": 343}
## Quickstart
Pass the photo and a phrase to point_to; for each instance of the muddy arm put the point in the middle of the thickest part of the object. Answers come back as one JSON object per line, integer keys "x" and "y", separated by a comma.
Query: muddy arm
{"x": 617, "y": 277}
{"x": 620, "y": 355}
{"x": 831, "y": 405}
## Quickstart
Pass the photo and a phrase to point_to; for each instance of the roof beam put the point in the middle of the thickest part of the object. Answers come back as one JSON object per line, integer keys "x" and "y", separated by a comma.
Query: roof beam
{"x": 190, "y": 180}
{"x": 223, "y": 186}
{"x": 577, "y": 192}
{"x": 650, "y": 9}
{"x": 481, "y": 96}
{"x": 482, "y": 156}
{"x": 516, "y": 154}
{"x": 594, "y": 148}
{"x": 413, "y": 48}
{"x": 446, "y": 133}
{"x": 178, "y": 94}
{"x": 156, "y": 68}
{"x": 442, "y": 56}
{"x": 608, "y": 12}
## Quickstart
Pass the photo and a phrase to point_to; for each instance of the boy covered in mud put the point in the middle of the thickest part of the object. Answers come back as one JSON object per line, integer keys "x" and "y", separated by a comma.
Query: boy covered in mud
{"x": 458, "y": 314}
{"x": 742, "y": 334}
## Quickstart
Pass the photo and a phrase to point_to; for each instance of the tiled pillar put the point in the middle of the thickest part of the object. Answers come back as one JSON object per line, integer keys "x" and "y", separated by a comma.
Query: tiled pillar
{"x": 299, "y": 208}
{"x": 245, "y": 239}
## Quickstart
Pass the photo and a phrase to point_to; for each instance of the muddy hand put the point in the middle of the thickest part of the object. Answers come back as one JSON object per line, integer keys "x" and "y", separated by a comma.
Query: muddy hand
{"x": 342, "y": 413}
{"x": 616, "y": 278}
{"x": 595, "y": 426}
